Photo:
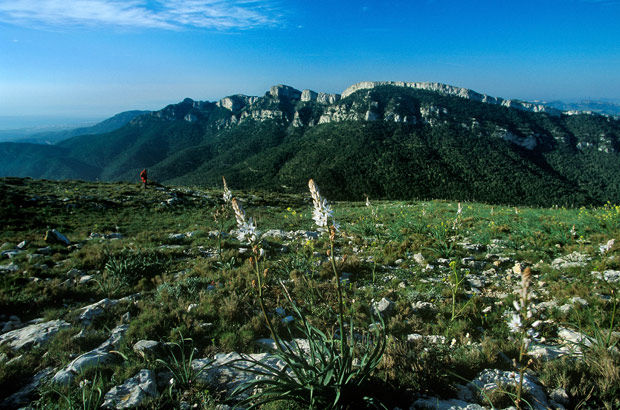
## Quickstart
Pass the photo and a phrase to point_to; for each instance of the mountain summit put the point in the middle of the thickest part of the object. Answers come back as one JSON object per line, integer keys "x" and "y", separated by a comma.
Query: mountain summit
{"x": 400, "y": 140}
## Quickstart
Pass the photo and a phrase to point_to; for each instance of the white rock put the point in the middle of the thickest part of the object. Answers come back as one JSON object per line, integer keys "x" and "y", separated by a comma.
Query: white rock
{"x": 90, "y": 312}
{"x": 436, "y": 403}
{"x": 11, "y": 267}
{"x": 131, "y": 393}
{"x": 419, "y": 259}
{"x": 492, "y": 379}
{"x": 37, "y": 334}
{"x": 53, "y": 235}
{"x": 575, "y": 339}
{"x": 434, "y": 339}
{"x": 146, "y": 348}
{"x": 383, "y": 307}
{"x": 573, "y": 260}
{"x": 91, "y": 359}
{"x": 74, "y": 273}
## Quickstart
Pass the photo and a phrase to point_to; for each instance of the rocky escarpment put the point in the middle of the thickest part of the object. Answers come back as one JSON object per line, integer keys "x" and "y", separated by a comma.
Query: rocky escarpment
{"x": 309, "y": 108}
{"x": 454, "y": 91}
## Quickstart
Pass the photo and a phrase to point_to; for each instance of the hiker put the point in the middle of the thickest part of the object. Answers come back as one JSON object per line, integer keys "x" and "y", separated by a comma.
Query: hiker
{"x": 143, "y": 177}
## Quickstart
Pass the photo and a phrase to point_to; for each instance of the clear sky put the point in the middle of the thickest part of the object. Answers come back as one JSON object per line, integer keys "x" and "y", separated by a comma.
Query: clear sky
{"x": 95, "y": 58}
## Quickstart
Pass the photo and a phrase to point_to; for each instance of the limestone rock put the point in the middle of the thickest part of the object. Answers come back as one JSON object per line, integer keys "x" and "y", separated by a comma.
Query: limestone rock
{"x": 133, "y": 392}
{"x": 24, "y": 395}
{"x": 327, "y": 99}
{"x": 11, "y": 267}
{"x": 436, "y": 403}
{"x": 492, "y": 379}
{"x": 54, "y": 236}
{"x": 573, "y": 260}
{"x": 147, "y": 348}
{"x": 278, "y": 91}
{"x": 219, "y": 372}
{"x": 37, "y": 334}
{"x": 454, "y": 91}
{"x": 91, "y": 359}
{"x": 308, "y": 95}
{"x": 90, "y": 312}
{"x": 384, "y": 307}
{"x": 424, "y": 308}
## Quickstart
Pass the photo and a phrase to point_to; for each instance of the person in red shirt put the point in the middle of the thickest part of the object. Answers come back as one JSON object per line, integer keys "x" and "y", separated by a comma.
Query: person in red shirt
{"x": 143, "y": 176}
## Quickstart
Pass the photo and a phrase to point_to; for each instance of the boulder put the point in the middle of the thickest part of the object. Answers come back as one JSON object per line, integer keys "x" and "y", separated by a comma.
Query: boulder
{"x": 91, "y": 359}
{"x": 13, "y": 323}
{"x": 492, "y": 379}
{"x": 90, "y": 312}
{"x": 54, "y": 236}
{"x": 147, "y": 348}
{"x": 133, "y": 392}
{"x": 11, "y": 267}
{"x": 24, "y": 396}
{"x": 37, "y": 334}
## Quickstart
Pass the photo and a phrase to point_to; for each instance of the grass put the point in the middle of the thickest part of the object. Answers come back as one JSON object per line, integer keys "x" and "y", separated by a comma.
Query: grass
{"x": 200, "y": 286}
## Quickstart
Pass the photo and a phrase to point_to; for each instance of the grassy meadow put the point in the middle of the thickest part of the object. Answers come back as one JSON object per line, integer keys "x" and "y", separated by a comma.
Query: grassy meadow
{"x": 444, "y": 278}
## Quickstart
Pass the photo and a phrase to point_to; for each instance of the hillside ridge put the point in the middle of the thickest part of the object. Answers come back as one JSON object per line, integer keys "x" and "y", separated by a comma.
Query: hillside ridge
{"x": 391, "y": 140}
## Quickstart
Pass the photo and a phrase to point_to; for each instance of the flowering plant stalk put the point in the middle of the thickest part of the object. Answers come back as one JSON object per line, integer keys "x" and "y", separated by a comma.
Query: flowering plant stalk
{"x": 523, "y": 325}
{"x": 325, "y": 372}
{"x": 248, "y": 233}
{"x": 321, "y": 213}
{"x": 221, "y": 216}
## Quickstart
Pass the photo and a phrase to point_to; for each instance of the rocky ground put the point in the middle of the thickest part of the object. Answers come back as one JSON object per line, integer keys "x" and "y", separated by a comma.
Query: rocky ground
{"x": 488, "y": 277}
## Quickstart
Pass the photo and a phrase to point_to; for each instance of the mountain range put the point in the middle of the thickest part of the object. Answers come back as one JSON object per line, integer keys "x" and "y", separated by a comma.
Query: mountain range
{"x": 392, "y": 140}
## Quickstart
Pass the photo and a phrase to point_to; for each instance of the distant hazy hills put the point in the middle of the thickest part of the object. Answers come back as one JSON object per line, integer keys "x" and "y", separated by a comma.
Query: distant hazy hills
{"x": 595, "y": 106}
{"x": 386, "y": 140}
{"x": 52, "y": 137}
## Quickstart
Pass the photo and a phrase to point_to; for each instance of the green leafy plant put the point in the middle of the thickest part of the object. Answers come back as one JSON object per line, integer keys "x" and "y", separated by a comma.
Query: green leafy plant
{"x": 333, "y": 368}
{"x": 319, "y": 375}
{"x": 455, "y": 280}
{"x": 87, "y": 396}
{"x": 179, "y": 362}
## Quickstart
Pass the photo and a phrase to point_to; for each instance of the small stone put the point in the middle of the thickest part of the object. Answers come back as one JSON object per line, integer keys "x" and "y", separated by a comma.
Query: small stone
{"x": 419, "y": 259}
{"x": 147, "y": 348}
{"x": 126, "y": 318}
{"x": 560, "y": 396}
{"x": 85, "y": 279}
{"x": 191, "y": 307}
{"x": 73, "y": 273}
{"x": 45, "y": 251}
{"x": 384, "y": 307}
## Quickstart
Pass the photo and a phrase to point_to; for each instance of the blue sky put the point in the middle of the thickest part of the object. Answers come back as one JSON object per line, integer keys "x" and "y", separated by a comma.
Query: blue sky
{"x": 95, "y": 58}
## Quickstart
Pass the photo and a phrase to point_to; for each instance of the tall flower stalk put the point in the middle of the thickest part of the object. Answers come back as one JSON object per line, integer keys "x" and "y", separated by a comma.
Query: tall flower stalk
{"x": 522, "y": 324}
{"x": 248, "y": 233}
{"x": 221, "y": 216}
{"x": 323, "y": 215}
{"x": 322, "y": 374}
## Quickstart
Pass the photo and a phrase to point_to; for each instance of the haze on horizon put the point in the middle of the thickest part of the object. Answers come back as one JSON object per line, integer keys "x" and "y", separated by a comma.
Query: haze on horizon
{"x": 95, "y": 58}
